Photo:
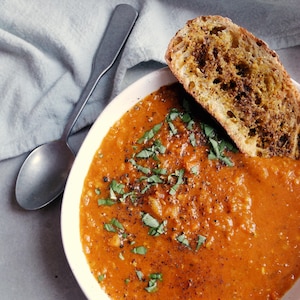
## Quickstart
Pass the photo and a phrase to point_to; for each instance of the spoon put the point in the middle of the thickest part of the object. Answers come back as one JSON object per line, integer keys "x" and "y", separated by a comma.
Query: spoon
{"x": 43, "y": 175}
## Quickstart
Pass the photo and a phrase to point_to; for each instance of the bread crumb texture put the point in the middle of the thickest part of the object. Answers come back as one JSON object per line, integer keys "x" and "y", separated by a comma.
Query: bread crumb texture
{"x": 240, "y": 82}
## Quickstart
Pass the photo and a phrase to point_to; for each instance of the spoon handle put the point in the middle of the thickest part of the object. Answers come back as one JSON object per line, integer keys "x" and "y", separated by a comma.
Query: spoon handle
{"x": 115, "y": 36}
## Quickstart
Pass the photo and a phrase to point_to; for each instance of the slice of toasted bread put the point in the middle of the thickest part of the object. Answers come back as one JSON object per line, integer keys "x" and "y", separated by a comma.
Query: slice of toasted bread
{"x": 240, "y": 82}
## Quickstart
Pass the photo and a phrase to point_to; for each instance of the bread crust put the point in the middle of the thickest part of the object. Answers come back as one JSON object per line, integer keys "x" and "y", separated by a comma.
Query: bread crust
{"x": 240, "y": 82}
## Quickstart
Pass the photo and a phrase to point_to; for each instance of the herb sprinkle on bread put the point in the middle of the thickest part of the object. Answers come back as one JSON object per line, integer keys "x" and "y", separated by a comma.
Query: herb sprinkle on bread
{"x": 240, "y": 82}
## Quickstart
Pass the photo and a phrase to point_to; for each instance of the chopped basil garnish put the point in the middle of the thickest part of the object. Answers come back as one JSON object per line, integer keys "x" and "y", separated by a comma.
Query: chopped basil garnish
{"x": 152, "y": 151}
{"x": 116, "y": 223}
{"x": 139, "y": 250}
{"x": 150, "y": 221}
{"x": 116, "y": 187}
{"x": 172, "y": 127}
{"x": 152, "y": 284}
{"x": 146, "y": 153}
{"x": 172, "y": 115}
{"x": 144, "y": 170}
{"x": 195, "y": 170}
{"x": 217, "y": 146}
{"x": 161, "y": 229}
{"x": 113, "y": 226}
{"x": 148, "y": 135}
{"x": 160, "y": 171}
{"x": 106, "y": 202}
{"x": 157, "y": 276}
{"x": 109, "y": 227}
{"x": 146, "y": 188}
{"x": 131, "y": 195}
{"x": 139, "y": 275}
{"x": 101, "y": 277}
{"x": 179, "y": 174}
{"x": 186, "y": 118}
{"x": 201, "y": 240}
{"x": 156, "y": 228}
{"x": 182, "y": 239}
{"x": 190, "y": 125}
{"x": 151, "y": 179}
{"x": 192, "y": 139}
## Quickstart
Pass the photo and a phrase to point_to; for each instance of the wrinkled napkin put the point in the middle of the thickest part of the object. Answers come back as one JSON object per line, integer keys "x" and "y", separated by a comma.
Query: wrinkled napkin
{"x": 47, "y": 48}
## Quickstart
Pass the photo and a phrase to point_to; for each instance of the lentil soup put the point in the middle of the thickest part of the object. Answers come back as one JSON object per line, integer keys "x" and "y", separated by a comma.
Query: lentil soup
{"x": 170, "y": 209}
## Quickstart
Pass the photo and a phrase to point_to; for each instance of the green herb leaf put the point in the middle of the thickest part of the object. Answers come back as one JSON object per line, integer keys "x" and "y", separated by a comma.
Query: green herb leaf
{"x": 182, "y": 239}
{"x": 146, "y": 188}
{"x": 150, "y": 221}
{"x": 179, "y": 174}
{"x": 160, "y": 171}
{"x": 149, "y": 134}
{"x": 190, "y": 125}
{"x": 113, "y": 226}
{"x": 132, "y": 196}
{"x": 186, "y": 118}
{"x": 139, "y": 275}
{"x": 173, "y": 129}
{"x": 195, "y": 170}
{"x": 101, "y": 277}
{"x": 208, "y": 130}
{"x": 106, "y": 202}
{"x": 172, "y": 115}
{"x": 161, "y": 229}
{"x": 153, "y": 151}
{"x": 159, "y": 147}
{"x": 218, "y": 146}
{"x": 201, "y": 240}
{"x": 139, "y": 250}
{"x": 116, "y": 223}
{"x": 152, "y": 284}
{"x": 143, "y": 169}
{"x": 154, "y": 179}
{"x": 192, "y": 139}
{"x": 117, "y": 187}
{"x": 145, "y": 153}
{"x": 156, "y": 276}
{"x": 109, "y": 227}
{"x": 156, "y": 228}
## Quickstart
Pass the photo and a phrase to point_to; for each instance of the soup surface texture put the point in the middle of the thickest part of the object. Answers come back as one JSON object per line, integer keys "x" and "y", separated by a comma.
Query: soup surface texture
{"x": 170, "y": 211}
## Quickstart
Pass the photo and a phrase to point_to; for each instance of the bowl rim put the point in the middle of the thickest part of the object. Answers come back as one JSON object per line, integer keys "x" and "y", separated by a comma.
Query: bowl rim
{"x": 71, "y": 199}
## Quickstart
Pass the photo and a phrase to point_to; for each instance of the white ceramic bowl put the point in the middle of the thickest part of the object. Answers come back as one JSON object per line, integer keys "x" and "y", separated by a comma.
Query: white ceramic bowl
{"x": 71, "y": 200}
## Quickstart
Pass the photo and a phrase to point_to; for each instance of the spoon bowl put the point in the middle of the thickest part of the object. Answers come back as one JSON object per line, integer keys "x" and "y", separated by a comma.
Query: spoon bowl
{"x": 45, "y": 174}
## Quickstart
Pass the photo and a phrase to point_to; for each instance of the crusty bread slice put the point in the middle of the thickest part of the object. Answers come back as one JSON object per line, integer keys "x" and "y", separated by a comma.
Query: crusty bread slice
{"x": 240, "y": 82}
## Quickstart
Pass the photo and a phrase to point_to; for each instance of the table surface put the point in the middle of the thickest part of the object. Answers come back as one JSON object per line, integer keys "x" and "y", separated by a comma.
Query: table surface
{"x": 32, "y": 261}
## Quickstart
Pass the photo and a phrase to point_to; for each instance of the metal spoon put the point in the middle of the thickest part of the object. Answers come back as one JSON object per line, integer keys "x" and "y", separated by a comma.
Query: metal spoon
{"x": 43, "y": 174}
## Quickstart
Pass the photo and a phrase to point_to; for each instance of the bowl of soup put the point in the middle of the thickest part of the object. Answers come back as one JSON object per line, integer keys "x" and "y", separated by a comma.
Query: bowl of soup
{"x": 160, "y": 203}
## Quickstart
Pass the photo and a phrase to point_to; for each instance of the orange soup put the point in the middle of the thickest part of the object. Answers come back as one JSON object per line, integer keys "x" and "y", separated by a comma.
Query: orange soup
{"x": 170, "y": 210}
